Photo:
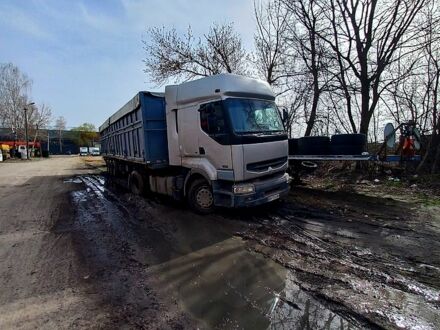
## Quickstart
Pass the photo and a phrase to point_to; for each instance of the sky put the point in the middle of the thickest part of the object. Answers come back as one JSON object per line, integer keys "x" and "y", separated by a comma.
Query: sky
{"x": 85, "y": 57}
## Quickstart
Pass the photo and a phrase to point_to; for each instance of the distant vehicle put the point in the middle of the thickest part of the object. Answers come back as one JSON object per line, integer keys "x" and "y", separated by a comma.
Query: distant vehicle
{"x": 215, "y": 141}
{"x": 94, "y": 151}
{"x": 23, "y": 151}
{"x": 83, "y": 151}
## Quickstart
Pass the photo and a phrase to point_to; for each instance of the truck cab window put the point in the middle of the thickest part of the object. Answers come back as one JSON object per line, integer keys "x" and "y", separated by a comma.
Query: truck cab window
{"x": 212, "y": 119}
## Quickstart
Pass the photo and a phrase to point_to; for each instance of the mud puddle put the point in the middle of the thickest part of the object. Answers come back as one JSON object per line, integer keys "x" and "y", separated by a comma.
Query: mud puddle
{"x": 377, "y": 265}
{"x": 226, "y": 286}
{"x": 154, "y": 257}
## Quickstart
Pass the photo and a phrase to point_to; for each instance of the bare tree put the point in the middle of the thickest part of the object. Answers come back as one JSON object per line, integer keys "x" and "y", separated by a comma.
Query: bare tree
{"x": 366, "y": 36}
{"x": 60, "y": 126}
{"x": 271, "y": 49}
{"x": 303, "y": 38}
{"x": 38, "y": 119}
{"x": 431, "y": 86}
{"x": 14, "y": 89}
{"x": 169, "y": 55}
{"x": 275, "y": 61}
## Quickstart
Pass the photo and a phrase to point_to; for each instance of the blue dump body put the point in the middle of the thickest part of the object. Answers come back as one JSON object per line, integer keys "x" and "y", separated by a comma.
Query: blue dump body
{"x": 137, "y": 132}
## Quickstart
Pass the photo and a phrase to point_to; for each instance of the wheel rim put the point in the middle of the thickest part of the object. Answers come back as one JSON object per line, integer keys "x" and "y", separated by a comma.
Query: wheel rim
{"x": 204, "y": 197}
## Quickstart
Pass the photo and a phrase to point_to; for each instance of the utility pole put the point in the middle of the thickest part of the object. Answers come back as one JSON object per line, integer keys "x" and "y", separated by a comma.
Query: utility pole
{"x": 26, "y": 128}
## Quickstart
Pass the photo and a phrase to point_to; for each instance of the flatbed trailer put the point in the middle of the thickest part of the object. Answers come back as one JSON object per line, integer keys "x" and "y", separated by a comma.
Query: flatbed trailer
{"x": 332, "y": 157}
{"x": 388, "y": 158}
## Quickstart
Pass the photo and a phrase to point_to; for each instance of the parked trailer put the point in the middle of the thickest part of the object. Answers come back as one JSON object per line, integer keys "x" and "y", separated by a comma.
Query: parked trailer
{"x": 216, "y": 141}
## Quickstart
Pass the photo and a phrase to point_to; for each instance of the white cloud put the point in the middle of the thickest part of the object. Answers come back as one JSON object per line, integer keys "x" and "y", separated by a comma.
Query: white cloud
{"x": 98, "y": 20}
{"x": 20, "y": 21}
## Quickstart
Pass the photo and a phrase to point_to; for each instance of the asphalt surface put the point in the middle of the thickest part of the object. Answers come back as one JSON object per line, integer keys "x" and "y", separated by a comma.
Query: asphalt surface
{"x": 78, "y": 251}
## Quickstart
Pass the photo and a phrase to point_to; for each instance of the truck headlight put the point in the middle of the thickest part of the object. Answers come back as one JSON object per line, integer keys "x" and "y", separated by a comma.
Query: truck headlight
{"x": 244, "y": 189}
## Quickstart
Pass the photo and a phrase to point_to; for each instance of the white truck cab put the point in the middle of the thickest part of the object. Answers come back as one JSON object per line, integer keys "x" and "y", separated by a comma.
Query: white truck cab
{"x": 83, "y": 151}
{"x": 227, "y": 130}
{"x": 23, "y": 151}
{"x": 94, "y": 151}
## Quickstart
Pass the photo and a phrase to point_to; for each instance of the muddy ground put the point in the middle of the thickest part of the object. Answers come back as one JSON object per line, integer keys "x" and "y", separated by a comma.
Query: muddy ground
{"x": 79, "y": 251}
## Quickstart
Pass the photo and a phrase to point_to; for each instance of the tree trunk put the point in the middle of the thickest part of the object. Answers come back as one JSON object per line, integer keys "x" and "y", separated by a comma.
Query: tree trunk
{"x": 435, "y": 164}
{"x": 312, "y": 117}
{"x": 365, "y": 108}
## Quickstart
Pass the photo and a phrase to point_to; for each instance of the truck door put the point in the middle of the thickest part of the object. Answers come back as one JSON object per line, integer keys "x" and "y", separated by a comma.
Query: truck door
{"x": 213, "y": 134}
{"x": 187, "y": 119}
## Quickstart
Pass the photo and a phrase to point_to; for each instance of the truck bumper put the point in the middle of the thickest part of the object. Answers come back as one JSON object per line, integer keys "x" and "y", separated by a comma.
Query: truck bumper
{"x": 265, "y": 191}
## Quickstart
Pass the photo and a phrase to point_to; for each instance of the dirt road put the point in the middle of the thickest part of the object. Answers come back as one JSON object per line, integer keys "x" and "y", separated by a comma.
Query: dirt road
{"x": 78, "y": 251}
{"x": 47, "y": 272}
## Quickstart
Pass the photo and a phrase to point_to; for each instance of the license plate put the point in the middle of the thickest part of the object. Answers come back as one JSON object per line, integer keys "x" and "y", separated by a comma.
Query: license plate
{"x": 273, "y": 197}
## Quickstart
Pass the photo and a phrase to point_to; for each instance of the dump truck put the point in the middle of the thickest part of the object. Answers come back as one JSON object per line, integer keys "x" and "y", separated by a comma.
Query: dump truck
{"x": 215, "y": 141}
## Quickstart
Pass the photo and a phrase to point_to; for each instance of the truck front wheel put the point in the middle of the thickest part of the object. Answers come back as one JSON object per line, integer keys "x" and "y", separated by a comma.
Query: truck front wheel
{"x": 200, "y": 197}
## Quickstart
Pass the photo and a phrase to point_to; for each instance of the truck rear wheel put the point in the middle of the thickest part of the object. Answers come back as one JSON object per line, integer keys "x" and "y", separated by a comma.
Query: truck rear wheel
{"x": 136, "y": 183}
{"x": 200, "y": 197}
{"x": 111, "y": 168}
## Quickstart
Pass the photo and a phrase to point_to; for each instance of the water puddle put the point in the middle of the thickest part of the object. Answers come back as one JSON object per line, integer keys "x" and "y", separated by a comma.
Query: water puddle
{"x": 198, "y": 262}
{"x": 73, "y": 180}
{"x": 226, "y": 286}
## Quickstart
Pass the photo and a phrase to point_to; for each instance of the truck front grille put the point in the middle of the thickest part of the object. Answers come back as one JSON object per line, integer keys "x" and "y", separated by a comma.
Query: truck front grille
{"x": 264, "y": 165}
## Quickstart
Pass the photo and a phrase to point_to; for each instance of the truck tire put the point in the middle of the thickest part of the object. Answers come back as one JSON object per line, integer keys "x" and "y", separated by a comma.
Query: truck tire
{"x": 111, "y": 168}
{"x": 346, "y": 149}
{"x": 348, "y": 144}
{"x": 136, "y": 183}
{"x": 313, "y": 145}
{"x": 351, "y": 139}
{"x": 200, "y": 197}
{"x": 293, "y": 146}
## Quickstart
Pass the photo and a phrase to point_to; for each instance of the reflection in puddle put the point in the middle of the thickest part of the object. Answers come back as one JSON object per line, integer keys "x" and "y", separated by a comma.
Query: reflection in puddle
{"x": 296, "y": 309}
{"x": 226, "y": 286}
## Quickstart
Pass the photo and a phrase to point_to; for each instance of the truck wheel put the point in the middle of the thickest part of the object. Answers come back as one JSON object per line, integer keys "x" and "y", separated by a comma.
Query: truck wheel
{"x": 346, "y": 139}
{"x": 200, "y": 197}
{"x": 348, "y": 144}
{"x": 136, "y": 183}
{"x": 111, "y": 168}
{"x": 313, "y": 145}
{"x": 293, "y": 146}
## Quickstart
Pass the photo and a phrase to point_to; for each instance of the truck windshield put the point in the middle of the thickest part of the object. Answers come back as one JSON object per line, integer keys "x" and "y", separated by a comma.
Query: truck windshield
{"x": 253, "y": 116}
